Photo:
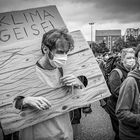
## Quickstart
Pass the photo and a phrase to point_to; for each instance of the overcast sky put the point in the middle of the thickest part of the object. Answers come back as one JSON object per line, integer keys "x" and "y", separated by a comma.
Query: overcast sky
{"x": 77, "y": 14}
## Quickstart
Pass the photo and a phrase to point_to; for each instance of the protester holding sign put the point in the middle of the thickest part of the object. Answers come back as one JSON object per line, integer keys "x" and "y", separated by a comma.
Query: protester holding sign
{"x": 55, "y": 46}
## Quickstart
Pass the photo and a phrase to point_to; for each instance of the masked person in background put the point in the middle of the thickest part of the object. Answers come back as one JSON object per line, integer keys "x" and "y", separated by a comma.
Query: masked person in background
{"x": 116, "y": 78}
{"x": 55, "y": 46}
{"x": 128, "y": 104}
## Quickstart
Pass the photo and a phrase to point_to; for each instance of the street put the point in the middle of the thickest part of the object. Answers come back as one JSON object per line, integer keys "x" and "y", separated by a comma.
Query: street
{"x": 96, "y": 126}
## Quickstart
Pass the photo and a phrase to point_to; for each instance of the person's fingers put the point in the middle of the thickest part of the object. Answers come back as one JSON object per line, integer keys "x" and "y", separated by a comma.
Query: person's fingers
{"x": 46, "y": 107}
{"x": 39, "y": 104}
{"x": 69, "y": 81}
{"x": 67, "y": 89}
{"x": 67, "y": 77}
{"x": 43, "y": 106}
{"x": 36, "y": 105}
{"x": 40, "y": 101}
{"x": 43, "y": 103}
{"x": 46, "y": 102}
{"x": 70, "y": 84}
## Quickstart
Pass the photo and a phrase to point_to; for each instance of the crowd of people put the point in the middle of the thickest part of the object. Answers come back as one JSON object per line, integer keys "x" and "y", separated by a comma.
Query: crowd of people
{"x": 123, "y": 106}
{"x": 122, "y": 75}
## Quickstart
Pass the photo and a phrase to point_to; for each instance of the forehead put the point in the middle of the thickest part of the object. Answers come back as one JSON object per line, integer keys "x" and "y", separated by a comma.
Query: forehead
{"x": 128, "y": 55}
{"x": 62, "y": 45}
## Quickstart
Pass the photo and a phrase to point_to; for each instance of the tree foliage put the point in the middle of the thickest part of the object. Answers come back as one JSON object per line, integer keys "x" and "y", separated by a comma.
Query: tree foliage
{"x": 119, "y": 44}
{"x": 102, "y": 47}
{"x": 131, "y": 41}
{"x": 99, "y": 48}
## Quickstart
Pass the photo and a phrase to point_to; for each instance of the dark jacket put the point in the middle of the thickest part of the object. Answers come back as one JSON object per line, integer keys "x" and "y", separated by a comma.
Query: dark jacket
{"x": 128, "y": 108}
{"x": 115, "y": 82}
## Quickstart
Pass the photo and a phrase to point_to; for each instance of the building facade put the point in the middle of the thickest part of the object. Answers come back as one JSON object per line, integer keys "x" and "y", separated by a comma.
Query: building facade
{"x": 131, "y": 31}
{"x": 108, "y": 36}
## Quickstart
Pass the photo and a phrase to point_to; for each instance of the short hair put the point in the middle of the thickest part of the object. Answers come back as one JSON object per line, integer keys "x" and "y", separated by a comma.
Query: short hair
{"x": 126, "y": 51}
{"x": 55, "y": 36}
{"x": 137, "y": 50}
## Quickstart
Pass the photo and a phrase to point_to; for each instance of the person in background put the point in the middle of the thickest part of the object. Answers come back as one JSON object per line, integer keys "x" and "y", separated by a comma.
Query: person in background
{"x": 55, "y": 47}
{"x": 105, "y": 56}
{"x": 76, "y": 116}
{"x": 115, "y": 80}
{"x": 128, "y": 104}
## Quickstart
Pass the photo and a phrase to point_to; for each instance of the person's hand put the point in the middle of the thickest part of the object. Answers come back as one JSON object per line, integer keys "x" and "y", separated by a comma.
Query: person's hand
{"x": 71, "y": 80}
{"x": 68, "y": 89}
{"x": 40, "y": 102}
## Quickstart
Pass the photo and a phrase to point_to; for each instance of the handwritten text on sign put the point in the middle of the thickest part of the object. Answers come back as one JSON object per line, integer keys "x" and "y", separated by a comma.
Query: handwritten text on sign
{"x": 28, "y": 24}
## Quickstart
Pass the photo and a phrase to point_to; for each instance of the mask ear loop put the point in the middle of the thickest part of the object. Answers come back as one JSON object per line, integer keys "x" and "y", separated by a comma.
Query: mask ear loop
{"x": 50, "y": 55}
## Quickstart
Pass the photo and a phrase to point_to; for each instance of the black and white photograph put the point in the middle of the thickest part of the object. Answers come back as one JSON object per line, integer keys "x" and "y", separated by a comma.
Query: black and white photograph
{"x": 69, "y": 70}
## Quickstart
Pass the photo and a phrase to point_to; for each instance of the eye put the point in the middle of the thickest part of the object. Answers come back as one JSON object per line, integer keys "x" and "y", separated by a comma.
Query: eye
{"x": 60, "y": 52}
{"x": 129, "y": 58}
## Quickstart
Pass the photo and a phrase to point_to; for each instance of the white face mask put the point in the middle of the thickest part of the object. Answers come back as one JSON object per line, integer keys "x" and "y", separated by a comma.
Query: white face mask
{"x": 130, "y": 63}
{"x": 59, "y": 60}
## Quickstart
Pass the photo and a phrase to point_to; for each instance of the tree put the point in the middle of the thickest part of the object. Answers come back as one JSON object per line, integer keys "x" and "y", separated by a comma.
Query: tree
{"x": 119, "y": 45}
{"x": 131, "y": 41}
{"x": 102, "y": 48}
{"x": 94, "y": 47}
{"x": 99, "y": 48}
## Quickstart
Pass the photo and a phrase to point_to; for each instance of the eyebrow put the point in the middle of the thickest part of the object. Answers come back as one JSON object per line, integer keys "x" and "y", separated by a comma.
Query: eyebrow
{"x": 62, "y": 50}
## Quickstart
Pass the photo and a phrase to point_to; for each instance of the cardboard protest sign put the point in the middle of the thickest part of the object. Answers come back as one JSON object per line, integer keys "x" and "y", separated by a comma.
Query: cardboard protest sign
{"x": 23, "y": 25}
{"x": 18, "y": 77}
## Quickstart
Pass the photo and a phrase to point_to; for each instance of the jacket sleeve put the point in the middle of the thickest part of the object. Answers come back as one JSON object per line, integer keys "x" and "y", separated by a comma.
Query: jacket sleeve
{"x": 125, "y": 103}
{"x": 114, "y": 83}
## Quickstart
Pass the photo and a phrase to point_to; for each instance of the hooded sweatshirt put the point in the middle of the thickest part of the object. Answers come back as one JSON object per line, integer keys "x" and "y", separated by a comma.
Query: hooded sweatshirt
{"x": 115, "y": 82}
{"x": 128, "y": 108}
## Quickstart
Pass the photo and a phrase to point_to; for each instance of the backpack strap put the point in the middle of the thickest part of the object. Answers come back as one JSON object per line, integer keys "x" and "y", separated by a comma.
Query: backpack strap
{"x": 137, "y": 81}
{"x": 119, "y": 72}
{"x": 138, "y": 84}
